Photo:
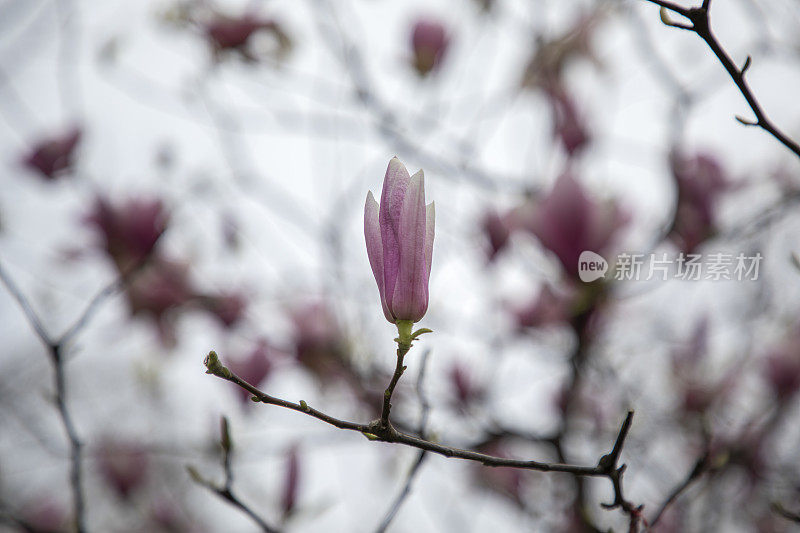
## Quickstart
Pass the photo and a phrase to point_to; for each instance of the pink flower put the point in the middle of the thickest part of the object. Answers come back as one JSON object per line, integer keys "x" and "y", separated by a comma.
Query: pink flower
{"x": 568, "y": 126}
{"x": 700, "y": 180}
{"x": 782, "y": 367}
{"x": 399, "y": 235}
{"x": 53, "y": 155}
{"x": 228, "y": 308}
{"x": 429, "y": 43}
{"x": 164, "y": 284}
{"x": 234, "y": 34}
{"x": 161, "y": 287}
{"x": 130, "y": 230}
{"x": 568, "y": 222}
{"x": 466, "y": 391}
{"x": 227, "y": 32}
{"x": 498, "y": 230}
{"x": 319, "y": 346}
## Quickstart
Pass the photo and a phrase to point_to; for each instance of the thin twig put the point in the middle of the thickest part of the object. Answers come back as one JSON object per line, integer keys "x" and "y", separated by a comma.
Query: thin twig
{"x": 54, "y": 349}
{"x": 698, "y": 470}
{"x": 100, "y": 297}
{"x": 415, "y": 467}
{"x": 23, "y": 302}
{"x": 387, "y": 395}
{"x": 701, "y": 25}
{"x": 76, "y": 457}
{"x": 782, "y": 511}
{"x": 225, "y": 491}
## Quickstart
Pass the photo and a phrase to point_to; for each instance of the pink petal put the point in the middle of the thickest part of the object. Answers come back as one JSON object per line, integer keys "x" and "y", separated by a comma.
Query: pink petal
{"x": 410, "y": 297}
{"x": 372, "y": 233}
{"x": 395, "y": 184}
{"x": 430, "y": 219}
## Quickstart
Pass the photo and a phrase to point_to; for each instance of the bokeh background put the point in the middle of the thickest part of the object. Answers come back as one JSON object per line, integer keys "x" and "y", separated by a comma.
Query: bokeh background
{"x": 185, "y": 176}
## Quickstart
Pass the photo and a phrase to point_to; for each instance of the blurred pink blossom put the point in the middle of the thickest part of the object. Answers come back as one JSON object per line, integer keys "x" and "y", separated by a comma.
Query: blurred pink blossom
{"x": 546, "y": 308}
{"x": 318, "y": 343}
{"x": 123, "y": 465}
{"x": 700, "y": 181}
{"x": 497, "y": 229}
{"x": 782, "y": 367}
{"x": 228, "y": 308}
{"x": 254, "y": 368}
{"x": 567, "y": 222}
{"x": 429, "y": 43}
{"x": 568, "y": 125}
{"x": 466, "y": 390}
{"x": 235, "y": 33}
{"x": 54, "y": 155}
{"x": 129, "y": 229}
{"x": 158, "y": 289}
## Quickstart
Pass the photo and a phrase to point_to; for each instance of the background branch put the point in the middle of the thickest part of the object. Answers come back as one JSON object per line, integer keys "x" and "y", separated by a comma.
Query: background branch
{"x": 701, "y": 25}
{"x": 55, "y": 352}
{"x": 405, "y": 491}
{"x": 225, "y": 491}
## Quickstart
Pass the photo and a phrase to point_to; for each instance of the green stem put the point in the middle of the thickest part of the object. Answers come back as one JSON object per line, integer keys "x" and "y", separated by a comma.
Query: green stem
{"x": 404, "y": 340}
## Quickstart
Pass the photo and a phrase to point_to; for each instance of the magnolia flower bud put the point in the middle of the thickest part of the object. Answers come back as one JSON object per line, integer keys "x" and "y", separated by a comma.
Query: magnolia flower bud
{"x": 429, "y": 42}
{"x": 399, "y": 235}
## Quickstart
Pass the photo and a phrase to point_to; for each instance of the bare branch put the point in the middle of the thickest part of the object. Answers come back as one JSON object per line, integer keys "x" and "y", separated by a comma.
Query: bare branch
{"x": 54, "y": 349}
{"x": 675, "y": 8}
{"x": 701, "y": 25}
{"x": 694, "y": 474}
{"x": 100, "y": 298}
{"x": 376, "y": 431}
{"x": 23, "y": 302}
{"x": 415, "y": 467}
{"x": 225, "y": 491}
{"x": 387, "y": 395}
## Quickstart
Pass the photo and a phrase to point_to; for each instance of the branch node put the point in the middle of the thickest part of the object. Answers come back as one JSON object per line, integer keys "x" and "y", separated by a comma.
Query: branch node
{"x": 746, "y": 65}
{"x": 664, "y": 14}
{"x": 225, "y": 435}
{"x": 746, "y": 122}
{"x": 195, "y": 475}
